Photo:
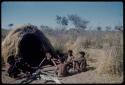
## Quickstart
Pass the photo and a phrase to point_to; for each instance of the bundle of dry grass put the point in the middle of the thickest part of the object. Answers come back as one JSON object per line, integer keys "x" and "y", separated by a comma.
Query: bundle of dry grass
{"x": 113, "y": 62}
{"x": 26, "y": 41}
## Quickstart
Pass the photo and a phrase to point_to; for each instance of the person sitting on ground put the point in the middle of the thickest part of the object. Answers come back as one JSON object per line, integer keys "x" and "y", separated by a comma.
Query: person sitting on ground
{"x": 25, "y": 67}
{"x": 11, "y": 62}
{"x": 60, "y": 56}
{"x": 70, "y": 56}
{"x": 80, "y": 63}
{"x": 19, "y": 66}
{"x": 13, "y": 70}
{"x": 70, "y": 59}
{"x": 49, "y": 59}
{"x": 61, "y": 69}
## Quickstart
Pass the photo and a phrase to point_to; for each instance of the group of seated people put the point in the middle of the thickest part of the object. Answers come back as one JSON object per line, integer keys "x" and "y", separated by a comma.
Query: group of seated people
{"x": 61, "y": 62}
{"x": 77, "y": 64}
{"x": 64, "y": 63}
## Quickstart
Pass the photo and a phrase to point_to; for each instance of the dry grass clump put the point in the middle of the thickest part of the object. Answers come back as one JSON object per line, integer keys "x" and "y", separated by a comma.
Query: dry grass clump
{"x": 78, "y": 45}
{"x": 69, "y": 45}
{"x": 82, "y": 42}
{"x": 112, "y": 63}
{"x": 58, "y": 42}
{"x": 4, "y": 33}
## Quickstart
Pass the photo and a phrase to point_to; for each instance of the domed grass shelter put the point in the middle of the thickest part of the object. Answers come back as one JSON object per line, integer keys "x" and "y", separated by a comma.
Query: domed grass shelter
{"x": 28, "y": 42}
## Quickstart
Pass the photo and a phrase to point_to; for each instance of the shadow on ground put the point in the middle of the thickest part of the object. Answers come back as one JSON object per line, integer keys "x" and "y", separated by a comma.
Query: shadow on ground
{"x": 89, "y": 68}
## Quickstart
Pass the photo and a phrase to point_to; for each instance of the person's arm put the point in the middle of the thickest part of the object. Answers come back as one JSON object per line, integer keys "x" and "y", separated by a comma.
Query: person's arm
{"x": 73, "y": 57}
{"x": 54, "y": 62}
{"x": 57, "y": 61}
{"x": 42, "y": 62}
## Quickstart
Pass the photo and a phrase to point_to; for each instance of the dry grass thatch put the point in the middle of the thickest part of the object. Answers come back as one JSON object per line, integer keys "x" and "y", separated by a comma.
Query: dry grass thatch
{"x": 24, "y": 38}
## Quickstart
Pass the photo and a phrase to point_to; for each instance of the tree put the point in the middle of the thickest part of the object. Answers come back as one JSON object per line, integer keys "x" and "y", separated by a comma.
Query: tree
{"x": 46, "y": 29}
{"x": 78, "y": 21}
{"x": 58, "y": 19}
{"x": 10, "y": 25}
{"x": 119, "y": 28}
{"x": 99, "y": 28}
{"x": 108, "y": 28}
{"x": 62, "y": 21}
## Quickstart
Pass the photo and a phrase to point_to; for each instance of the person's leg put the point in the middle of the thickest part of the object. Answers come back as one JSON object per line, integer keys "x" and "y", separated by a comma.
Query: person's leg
{"x": 82, "y": 66}
{"x": 16, "y": 71}
{"x": 10, "y": 71}
{"x": 65, "y": 68}
{"x": 74, "y": 65}
{"x": 77, "y": 66}
{"x": 56, "y": 70}
{"x": 85, "y": 66}
{"x": 59, "y": 70}
{"x": 62, "y": 71}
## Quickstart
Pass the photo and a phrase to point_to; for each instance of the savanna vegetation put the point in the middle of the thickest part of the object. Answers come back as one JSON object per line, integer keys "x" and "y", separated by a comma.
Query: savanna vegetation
{"x": 103, "y": 47}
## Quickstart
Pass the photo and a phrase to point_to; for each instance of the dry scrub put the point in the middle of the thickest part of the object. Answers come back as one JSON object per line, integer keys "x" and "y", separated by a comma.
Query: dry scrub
{"x": 111, "y": 43}
{"x": 104, "y": 50}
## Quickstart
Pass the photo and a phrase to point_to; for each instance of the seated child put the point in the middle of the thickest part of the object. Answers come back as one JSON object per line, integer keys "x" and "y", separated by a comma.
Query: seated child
{"x": 80, "y": 63}
{"x": 61, "y": 69}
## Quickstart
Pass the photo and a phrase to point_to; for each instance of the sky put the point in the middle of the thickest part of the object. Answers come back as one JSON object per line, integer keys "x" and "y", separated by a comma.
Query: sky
{"x": 44, "y": 13}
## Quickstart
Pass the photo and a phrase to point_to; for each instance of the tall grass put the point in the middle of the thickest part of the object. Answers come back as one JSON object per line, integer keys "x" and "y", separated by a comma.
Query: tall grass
{"x": 109, "y": 41}
{"x": 112, "y": 63}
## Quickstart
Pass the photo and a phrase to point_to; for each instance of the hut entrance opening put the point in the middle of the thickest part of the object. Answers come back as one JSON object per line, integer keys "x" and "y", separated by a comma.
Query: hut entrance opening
{"x": 30, "y": 49}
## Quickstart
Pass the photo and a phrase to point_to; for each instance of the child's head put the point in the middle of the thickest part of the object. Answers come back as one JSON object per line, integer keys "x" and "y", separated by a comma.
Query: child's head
{"x": 48, "y": 55}
{"x": 82, "y": 53}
